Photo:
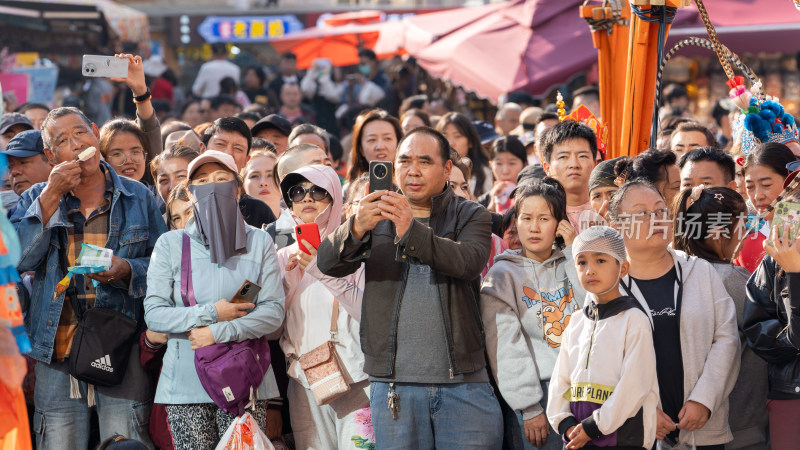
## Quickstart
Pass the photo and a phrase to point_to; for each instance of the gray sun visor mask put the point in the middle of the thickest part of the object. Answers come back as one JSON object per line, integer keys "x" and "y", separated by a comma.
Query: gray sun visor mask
{"x": 219, "y": 220}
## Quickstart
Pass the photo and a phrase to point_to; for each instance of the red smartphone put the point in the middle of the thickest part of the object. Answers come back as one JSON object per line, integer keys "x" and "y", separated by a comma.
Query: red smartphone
{"x": 307, "y": 232}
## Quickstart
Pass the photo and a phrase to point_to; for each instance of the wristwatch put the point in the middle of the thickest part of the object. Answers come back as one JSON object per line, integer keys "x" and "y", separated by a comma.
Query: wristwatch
{"x": 142, "y": 98}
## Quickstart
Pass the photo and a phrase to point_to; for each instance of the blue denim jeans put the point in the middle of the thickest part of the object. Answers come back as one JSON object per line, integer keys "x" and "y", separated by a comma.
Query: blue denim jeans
{"x": 441, "y": 416}
{"x": 62, "y": 423}
{"x": 554, "y": 441}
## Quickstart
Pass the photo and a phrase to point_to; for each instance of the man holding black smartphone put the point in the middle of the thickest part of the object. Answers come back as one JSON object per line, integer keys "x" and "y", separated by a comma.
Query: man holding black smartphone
{"x": 421, "y": 330}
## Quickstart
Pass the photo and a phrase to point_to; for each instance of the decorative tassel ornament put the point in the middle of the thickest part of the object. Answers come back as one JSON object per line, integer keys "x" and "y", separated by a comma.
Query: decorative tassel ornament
{"x": 738, "y": 93}
{"x": 74, "y": 388}
{"x": 562, "y": 113}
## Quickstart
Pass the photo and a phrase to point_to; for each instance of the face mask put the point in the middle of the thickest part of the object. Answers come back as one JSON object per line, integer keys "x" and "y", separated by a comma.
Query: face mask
{"x": 364, "y": 69}
{"x": 219, "y": 220}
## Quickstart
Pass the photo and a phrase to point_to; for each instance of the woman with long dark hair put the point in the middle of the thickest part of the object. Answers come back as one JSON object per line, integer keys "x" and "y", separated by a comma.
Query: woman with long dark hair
{"x": 709, "y": 223}
{"x": 464, "y": 138}
{"x": 527, "y": 300}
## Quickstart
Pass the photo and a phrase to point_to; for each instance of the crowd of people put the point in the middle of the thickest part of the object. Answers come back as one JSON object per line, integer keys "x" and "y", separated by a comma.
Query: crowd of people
{"x": 510, "y": 288}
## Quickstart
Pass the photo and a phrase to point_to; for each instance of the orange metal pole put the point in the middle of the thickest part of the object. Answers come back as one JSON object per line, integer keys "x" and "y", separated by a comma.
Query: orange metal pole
{"x": 637, "y": 45}
{"x": 619, "y": 45}
{"x": 640, "y": 81}
{"x": 605, "y": 70}
{"x": 612, "y": 51}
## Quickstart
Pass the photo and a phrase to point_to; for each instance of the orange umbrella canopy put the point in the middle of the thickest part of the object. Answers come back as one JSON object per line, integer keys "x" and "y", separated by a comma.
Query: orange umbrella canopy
{"x": 339, "y": 44}
{"x": 339, "y": 39}
{"x": 355, "y": 17}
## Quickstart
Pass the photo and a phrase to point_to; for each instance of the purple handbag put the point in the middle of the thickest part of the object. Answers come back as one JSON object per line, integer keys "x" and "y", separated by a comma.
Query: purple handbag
{"x": 230, "y": 372}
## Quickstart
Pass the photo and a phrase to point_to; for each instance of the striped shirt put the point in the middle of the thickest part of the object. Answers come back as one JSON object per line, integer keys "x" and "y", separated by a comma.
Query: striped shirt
{"x": 92, "y": 230}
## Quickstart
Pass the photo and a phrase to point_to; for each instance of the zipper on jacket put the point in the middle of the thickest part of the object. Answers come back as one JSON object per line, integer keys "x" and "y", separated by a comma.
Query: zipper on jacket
{"x": 591, "y": 338}
{"x": 447, "y": 330}
{"x": 397, "y": 318}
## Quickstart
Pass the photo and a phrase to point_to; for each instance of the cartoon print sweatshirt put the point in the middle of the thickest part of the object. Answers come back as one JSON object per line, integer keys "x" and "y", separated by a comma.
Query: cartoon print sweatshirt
{"x": 525, "y": 306}
{"x": 605, "y": 376}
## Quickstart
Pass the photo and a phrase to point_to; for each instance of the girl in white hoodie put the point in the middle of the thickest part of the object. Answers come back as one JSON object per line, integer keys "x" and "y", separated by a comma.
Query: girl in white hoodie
{"x": 314, "y": 195}
{"x": 527, "y": 300}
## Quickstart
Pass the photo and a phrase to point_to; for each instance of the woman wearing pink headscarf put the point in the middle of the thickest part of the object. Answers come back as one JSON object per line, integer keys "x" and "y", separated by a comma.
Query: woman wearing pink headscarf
{"x": 314, "y": 195}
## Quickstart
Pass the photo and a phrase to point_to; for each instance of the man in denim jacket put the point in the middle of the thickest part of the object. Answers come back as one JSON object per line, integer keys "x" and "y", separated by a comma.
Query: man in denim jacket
{"x": 84, "y": 202}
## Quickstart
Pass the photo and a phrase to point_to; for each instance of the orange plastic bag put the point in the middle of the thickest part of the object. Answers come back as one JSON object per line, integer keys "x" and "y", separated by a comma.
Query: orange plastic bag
{"x": 244, "y": 434}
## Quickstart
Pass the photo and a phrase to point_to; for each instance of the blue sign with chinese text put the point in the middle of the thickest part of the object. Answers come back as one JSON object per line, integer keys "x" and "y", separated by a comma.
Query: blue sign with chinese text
{"x": 247, "y": 28}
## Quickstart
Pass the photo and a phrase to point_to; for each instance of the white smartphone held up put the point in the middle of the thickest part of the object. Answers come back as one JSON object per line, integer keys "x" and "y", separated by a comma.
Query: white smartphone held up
{"x": 104, "y": 66}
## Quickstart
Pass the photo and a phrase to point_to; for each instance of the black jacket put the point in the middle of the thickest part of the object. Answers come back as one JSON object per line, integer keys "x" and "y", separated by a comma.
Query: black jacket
{"x": 456, "y": 246}
{"x": 772, "y": 325}
{"x": 255, "y": 212}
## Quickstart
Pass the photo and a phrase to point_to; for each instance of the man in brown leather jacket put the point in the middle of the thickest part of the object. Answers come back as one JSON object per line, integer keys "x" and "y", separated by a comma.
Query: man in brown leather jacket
{"x": 421, "y": 333}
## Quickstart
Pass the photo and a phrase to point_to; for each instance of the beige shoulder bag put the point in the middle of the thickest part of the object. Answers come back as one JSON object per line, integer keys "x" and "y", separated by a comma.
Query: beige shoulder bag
{"x": 323, "y": 368}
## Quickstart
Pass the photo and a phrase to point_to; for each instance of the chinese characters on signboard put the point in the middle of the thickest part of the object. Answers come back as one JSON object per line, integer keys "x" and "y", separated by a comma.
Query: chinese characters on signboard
{"x": 247, "y": 29}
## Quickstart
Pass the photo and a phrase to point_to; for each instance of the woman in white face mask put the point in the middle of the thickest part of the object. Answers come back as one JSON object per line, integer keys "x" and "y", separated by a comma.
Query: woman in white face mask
{"x": 224, "y": 253}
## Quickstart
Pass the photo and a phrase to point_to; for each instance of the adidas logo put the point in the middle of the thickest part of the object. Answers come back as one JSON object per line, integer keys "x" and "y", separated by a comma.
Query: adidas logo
{"x": 103, "y": 363}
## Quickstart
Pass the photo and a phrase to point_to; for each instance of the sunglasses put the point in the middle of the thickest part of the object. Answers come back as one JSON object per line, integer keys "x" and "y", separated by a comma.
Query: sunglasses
{"x": 793, "y": 166}
{"x": 298, "y": 193}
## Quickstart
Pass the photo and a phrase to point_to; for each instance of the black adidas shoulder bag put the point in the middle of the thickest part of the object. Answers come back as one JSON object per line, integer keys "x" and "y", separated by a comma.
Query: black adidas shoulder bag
{"x": 102, "y": 342}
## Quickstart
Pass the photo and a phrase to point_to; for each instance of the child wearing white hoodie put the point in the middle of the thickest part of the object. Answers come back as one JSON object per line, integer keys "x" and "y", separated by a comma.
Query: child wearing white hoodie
{"x": 527, "y": 300}
{"x": 604, "y": 389}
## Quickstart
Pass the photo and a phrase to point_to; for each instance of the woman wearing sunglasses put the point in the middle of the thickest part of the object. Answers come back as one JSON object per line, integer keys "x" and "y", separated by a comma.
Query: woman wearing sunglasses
{"x": 224, "y": 253}
{"x": 314, "y": 196}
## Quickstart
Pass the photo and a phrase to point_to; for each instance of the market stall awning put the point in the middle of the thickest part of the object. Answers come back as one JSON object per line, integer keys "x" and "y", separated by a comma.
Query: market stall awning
{"x": 414, "y": 33}
{"x": 125, "y": 23}
{"x": 744, "y": 26}
{"x": 530, "y": 45}
{"x": 339, "y": 44}
{"x": 535, "y": 45}
{"x": 340, "y": 38}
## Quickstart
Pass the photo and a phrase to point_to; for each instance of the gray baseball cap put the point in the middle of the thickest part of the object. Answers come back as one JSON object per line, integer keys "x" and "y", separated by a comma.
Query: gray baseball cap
{"x": 10, "y": 119}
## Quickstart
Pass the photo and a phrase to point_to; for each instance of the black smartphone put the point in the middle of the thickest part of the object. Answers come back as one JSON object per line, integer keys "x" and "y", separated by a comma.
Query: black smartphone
{"x": 247, "y": 293}
{"x": 380, "y": 176}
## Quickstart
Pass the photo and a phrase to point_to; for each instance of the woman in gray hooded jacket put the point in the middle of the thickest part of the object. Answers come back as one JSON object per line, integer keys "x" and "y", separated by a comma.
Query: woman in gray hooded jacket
{"x": 527, "y": 300}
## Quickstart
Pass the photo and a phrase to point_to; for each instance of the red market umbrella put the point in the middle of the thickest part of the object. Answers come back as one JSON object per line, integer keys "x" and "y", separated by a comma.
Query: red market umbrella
{"x": 523, "y": 44}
